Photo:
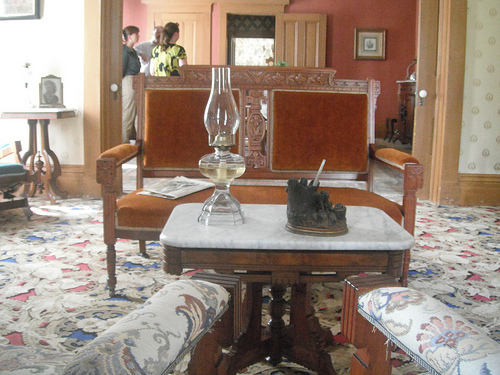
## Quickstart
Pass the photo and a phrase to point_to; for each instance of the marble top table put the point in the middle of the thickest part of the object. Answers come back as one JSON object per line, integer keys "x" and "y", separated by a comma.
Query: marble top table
{"x": 263, "y": 252}
{"x": 264, "y": 228}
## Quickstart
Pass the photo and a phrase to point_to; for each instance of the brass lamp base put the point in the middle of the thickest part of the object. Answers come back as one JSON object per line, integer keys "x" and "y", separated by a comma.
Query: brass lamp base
{"x": 311, "y": 231}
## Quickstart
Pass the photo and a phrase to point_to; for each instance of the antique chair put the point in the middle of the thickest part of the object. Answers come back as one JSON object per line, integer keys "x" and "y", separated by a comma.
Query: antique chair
{"x": 377, "y": 313}
{"x": 291, "y": 119}
{"x": 183, "y": 326}
{"x": 12, "y": 177}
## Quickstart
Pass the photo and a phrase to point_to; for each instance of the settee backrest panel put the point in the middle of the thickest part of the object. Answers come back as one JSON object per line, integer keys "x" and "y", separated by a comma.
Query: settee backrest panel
{"x": 273, "y": 133}
{"x": 310, "y": 126}
{"x": 175, "y": 137}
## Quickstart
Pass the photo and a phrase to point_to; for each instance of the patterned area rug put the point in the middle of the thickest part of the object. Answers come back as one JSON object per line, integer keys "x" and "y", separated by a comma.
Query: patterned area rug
{"x": 53, "y": 277}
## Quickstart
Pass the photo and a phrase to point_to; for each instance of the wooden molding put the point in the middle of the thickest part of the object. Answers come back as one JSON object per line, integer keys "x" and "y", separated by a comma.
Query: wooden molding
{"x": 479, "y": 189}
{"x": 448, "y": 115}
{"x": 71, "y": 180}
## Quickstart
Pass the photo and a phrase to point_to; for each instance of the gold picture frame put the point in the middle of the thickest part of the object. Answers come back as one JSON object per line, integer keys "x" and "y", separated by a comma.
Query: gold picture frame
{"x": 369, "y": 44}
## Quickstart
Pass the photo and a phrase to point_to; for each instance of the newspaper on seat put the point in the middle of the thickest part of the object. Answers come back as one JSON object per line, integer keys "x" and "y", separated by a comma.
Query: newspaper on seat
{"x": 176, "y": 188}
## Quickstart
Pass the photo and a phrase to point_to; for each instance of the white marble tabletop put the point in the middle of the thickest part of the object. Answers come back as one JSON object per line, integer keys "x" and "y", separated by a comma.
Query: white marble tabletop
{"x": 264, "y": 228}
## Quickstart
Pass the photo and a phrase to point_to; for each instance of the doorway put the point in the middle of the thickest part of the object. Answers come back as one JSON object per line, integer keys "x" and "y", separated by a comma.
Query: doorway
{"x": 250, "y": 39}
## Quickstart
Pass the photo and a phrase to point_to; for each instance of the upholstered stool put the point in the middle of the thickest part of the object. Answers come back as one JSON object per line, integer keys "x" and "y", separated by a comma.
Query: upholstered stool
{"x": 153, "y": 339}
{"x": 12, "y": 177}
{"x": 432, "y": 334}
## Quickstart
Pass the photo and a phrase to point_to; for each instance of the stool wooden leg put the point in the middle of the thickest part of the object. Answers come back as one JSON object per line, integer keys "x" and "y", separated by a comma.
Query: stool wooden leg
{"x": 373, "y": 356}
{"x": 142, "y": 248}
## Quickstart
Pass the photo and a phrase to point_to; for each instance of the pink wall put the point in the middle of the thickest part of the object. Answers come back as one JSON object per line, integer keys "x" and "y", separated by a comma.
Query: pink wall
{"x": 343, "y": 16}
{"x": 215, "y": 34}
{"x": 135, "y": 13}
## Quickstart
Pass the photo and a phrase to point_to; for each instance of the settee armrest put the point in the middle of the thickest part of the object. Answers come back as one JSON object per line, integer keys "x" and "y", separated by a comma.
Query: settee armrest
{"x": 395, "y": 158}
{"x": 110, "y": 160}
{"x": 413, "y": 179}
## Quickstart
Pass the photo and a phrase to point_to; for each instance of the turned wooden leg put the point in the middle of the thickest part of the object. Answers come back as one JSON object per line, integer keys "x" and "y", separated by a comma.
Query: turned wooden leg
{"x": 111, "y": 265}
{"x": 276, "y": 324}
{"x": 142, "y": 248}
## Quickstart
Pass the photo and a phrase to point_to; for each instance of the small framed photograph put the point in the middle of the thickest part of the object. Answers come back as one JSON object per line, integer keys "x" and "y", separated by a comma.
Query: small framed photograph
{"x": 369, "y": 44}
{"x": 19, "y": 9}
{"x": 51, "y": 92}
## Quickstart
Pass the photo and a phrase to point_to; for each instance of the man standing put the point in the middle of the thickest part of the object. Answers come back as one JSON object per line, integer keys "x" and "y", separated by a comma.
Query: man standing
{"x": 144, "y": 49}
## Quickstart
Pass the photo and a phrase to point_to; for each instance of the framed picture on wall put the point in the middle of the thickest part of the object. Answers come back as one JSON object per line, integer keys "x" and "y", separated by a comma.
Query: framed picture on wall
{"x": 51, "y": 92}
{"x": 19, "y": 9}
{"x": 369, "y": 44}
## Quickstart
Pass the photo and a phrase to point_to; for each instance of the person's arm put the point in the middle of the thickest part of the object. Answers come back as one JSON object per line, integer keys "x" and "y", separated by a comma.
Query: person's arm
{"x": 124, "y": 61}
{"x": 182, "y": 57}
{"x": 152, "y": 67}
{"x": 141, "y": 50}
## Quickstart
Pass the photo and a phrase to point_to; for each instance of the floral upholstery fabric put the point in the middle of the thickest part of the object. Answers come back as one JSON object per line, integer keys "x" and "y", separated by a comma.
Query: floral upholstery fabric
{"x": 434, "y": 335}
{"x": 152, "y": 339}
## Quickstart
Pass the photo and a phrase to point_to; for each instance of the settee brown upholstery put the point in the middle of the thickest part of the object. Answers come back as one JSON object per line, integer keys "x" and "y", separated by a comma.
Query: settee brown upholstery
{"x": 292, "y": 119}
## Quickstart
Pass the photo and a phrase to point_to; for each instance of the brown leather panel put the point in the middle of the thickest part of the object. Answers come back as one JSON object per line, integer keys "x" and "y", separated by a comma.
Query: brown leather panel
{"x": 119, "y": 152}
{"x": 312, "y": 126}
{"x": 142, "y": 211}
{"x": 174, "y": 131}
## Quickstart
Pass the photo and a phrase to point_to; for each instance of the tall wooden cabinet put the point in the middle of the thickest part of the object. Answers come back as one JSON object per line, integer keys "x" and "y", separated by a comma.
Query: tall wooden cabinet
{"x": 406, "y": 111}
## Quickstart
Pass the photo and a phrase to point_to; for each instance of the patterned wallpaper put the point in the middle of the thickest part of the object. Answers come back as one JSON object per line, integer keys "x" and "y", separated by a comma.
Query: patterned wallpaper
{"x": 480, "y": 142}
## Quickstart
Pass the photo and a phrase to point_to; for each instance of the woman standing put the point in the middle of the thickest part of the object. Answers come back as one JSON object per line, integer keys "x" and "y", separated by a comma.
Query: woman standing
{"x": 167, "y": 57}
{"x": 131, "y": 65}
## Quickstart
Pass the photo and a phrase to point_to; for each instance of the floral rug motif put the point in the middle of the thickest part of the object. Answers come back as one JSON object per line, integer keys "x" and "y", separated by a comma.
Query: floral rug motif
{"x": 53, "y": 277}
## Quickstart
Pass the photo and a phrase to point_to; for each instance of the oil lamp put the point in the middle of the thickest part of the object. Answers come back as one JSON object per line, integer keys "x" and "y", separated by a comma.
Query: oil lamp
{"x": 222, "y": 120}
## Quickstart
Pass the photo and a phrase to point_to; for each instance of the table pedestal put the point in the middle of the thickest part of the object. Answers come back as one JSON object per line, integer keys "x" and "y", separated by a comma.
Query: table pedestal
{"x": 43, "y": 165}
{"x": 303, "y": 341}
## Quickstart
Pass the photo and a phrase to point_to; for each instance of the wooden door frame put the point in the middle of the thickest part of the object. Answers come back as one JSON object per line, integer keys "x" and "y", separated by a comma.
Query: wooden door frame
{"x": 427, "y": 40}
{"x": 438, "y": 123}
{"x": 444, "y": 179}
{"x": 102, "y": 67}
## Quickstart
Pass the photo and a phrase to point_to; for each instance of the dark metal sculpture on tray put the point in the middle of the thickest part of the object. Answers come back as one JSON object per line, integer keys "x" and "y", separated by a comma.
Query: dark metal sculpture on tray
{"x": 311, "y": 212}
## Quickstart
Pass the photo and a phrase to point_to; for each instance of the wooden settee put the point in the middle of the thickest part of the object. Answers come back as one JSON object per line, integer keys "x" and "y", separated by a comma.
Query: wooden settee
{"x": 292, "y": 119}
